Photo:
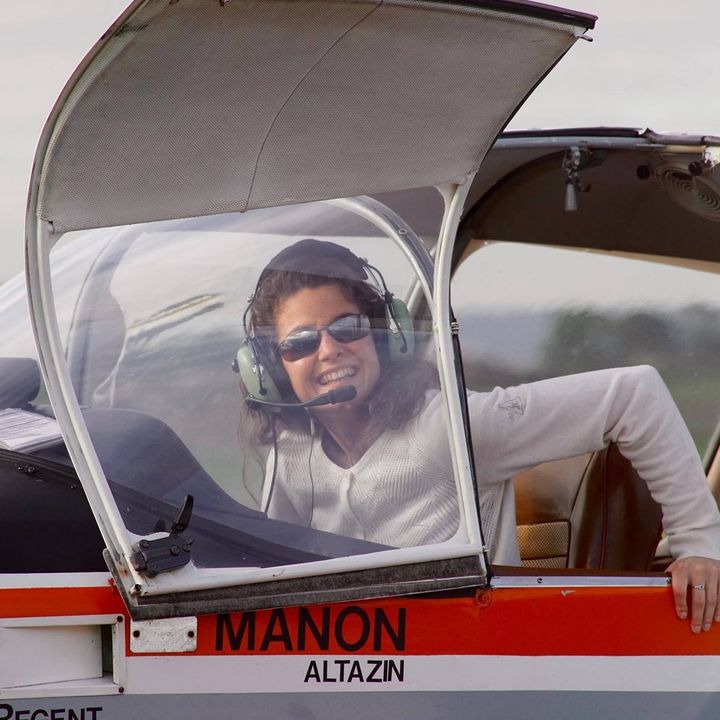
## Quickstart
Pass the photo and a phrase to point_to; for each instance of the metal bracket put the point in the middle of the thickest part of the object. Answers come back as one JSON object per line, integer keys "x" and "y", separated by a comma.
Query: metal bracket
{"x": 574, "y": 160}
{"x": 710, "y": 158}
{"x": 581, "y": 35}
{"x": 169, "y": 635}
{"x": 152, "y": 557}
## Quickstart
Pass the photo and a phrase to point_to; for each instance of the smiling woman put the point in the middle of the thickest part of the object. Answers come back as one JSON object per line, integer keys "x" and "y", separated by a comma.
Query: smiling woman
{"x": 322, "y": 325}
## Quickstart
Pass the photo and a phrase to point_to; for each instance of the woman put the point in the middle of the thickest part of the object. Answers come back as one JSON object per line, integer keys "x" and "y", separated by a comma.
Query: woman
{"x": 377, "y": 465}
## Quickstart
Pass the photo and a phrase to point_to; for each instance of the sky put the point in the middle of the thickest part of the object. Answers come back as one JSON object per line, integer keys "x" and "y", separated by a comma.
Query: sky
{"x": 651, "y": 64}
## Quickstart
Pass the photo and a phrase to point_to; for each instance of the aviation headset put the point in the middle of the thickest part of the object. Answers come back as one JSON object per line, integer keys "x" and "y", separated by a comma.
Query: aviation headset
{"x": 258, "y": 362}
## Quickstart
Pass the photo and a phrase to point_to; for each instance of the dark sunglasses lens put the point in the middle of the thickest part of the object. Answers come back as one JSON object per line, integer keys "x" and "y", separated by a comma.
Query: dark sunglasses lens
{"x": 299, "y": 345}
{"x": 302, "y": 343}
{"x": 349, "y": 328}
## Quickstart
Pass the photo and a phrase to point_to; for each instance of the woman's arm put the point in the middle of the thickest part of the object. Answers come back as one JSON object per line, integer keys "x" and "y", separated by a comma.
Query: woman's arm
{"x": 517, "y": 428}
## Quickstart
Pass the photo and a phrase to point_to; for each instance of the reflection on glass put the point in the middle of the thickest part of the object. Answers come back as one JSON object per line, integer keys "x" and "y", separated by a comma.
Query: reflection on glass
{"x": 160, "y": 318}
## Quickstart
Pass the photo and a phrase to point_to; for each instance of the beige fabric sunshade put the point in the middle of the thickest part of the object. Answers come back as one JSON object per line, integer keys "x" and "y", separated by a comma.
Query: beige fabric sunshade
{"x": 190, "y": 107}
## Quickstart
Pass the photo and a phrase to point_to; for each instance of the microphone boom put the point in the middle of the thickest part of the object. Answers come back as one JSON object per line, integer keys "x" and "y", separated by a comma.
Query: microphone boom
{"x": 341, "y": 394}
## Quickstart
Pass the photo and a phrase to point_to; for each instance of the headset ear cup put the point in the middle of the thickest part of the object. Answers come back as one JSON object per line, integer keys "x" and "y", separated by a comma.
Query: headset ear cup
{"x": 254, "y": 372}
{"x": 401, "y": 345}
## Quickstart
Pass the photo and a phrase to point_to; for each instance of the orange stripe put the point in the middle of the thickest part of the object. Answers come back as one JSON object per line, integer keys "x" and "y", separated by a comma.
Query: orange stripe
{"x": 49, "y": 602}
{"x": 527, "y": 621}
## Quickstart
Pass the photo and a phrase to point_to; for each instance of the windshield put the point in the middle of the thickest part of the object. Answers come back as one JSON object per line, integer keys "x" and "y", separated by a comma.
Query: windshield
{"x": 300, "y": 453}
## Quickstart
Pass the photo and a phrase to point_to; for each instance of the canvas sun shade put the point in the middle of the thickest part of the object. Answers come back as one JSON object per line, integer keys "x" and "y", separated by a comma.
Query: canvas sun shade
{"x": 195, "y": 107}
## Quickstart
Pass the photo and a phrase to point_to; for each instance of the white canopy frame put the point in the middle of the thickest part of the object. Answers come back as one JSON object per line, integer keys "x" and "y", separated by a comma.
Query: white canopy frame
{"x": 80, "y": 448}
{"x": 89, "y": 173}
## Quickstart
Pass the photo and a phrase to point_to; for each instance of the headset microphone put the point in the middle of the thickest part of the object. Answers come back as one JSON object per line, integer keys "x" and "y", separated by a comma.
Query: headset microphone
{"x": 341, "y": 394}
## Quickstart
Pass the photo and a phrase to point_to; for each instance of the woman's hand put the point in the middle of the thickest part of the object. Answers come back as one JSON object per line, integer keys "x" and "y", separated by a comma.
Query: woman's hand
{"x": 701, "y": 577}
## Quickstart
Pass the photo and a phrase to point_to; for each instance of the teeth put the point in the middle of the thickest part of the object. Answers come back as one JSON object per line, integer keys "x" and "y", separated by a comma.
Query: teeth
{"x": 337, "y": 375}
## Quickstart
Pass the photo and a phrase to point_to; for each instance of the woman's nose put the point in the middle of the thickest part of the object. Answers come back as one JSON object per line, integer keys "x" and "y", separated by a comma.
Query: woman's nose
{"x": 329, "y": 347}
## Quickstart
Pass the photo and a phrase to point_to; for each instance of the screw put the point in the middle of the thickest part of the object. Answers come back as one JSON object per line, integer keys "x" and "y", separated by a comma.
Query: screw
{"x": 539, "y": 581}
{"x": 121, "y": 689}
{"x": 120, "y": 618}
{"x": 191, "y": 633}
{"x": 136, "y": 633}
{"x": 174, "y": 550}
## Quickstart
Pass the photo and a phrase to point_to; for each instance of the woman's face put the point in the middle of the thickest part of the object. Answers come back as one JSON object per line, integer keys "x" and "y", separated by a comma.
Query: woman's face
{"x": 333, "y": 364}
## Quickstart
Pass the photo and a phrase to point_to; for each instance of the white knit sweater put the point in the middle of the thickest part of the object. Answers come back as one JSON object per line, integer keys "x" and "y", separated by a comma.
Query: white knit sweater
{"x": 402, "y": 492}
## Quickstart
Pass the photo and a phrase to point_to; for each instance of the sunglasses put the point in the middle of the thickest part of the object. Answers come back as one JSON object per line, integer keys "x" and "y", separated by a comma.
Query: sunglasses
{"x": 306, "y": 341}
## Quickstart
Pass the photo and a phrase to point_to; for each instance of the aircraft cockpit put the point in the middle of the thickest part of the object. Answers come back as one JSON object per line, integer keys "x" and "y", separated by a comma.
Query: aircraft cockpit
{"x": 151, "y": 333}
{"x": 320, "y": 381}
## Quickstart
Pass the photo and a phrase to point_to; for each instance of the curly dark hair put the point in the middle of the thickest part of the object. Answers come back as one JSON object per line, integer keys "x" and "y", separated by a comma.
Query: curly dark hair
{"x": 400, "y": 391}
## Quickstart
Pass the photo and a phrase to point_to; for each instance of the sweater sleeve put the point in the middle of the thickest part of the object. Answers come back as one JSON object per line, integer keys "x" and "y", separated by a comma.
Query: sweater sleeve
{"x": 520, "y": 427}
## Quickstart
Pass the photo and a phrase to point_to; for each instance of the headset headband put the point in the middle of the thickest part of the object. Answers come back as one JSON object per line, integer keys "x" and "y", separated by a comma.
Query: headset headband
{"x": 317, "y": 257}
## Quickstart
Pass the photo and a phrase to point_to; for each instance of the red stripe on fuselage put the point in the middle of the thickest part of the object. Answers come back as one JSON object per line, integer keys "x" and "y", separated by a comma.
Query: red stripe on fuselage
{"x": 52, "y": 602}
{"x": 521, "y": 621}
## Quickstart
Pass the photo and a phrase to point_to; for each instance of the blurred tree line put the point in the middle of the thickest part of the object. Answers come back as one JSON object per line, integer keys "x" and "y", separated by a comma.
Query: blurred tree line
{"x": 683, "y": 344}
{"x": 686, "y": 341}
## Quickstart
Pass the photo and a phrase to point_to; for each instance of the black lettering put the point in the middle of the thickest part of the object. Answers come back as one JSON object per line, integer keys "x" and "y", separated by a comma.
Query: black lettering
{"x": 57, "y": 714}
{"x": 72, "y": 715}
{"x": 21, "y": 714}
{"x": 224, "y": 628}
{"x": 7, "y": 710}
{"x": 343, "y": 615}
{"x": 342, "y": 664}
{"x": 277, "y": 617}
{"x": 326, "y": 677}
{"x": 321, "y": 634}
{"x": 391, "y": 667}
{"x": 355, "y": 672}
{"x": 396, "y": 636}
{"x": 375, "y": 665}
{"x": 39, "y": 713}
{"x": 92, "y": 711}
{"x": 312, "y": 672}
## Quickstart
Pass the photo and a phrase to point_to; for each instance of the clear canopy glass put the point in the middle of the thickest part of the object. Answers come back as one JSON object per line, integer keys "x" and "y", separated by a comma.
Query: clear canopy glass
{"x": 161, "y": 314}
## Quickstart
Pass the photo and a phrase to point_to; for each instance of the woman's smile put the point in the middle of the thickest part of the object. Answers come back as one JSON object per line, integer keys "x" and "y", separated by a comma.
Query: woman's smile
{"x": 334, "y": 375}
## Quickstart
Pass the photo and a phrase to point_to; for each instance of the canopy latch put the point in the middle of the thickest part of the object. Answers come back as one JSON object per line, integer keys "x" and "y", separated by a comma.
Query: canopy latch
{"x": 154, "y": 556}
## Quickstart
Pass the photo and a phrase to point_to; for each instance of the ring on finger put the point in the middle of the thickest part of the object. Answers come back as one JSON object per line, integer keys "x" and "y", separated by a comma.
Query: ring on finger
{"x": 698, "y": 587}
